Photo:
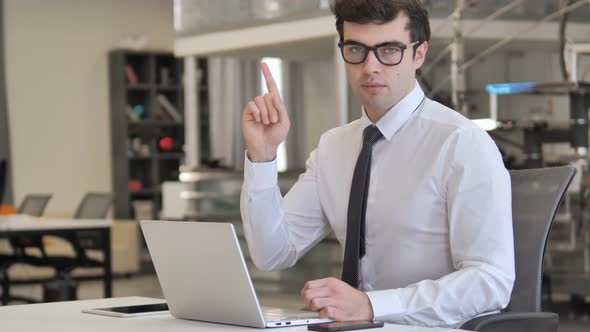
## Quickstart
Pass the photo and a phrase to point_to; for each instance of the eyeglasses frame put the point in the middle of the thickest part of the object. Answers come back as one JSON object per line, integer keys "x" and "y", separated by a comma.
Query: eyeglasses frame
{"x": 374, "y": 49}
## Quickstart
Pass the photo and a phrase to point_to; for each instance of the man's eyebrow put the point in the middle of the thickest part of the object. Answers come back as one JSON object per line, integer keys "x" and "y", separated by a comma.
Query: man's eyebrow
{"x": 389, "y": 42}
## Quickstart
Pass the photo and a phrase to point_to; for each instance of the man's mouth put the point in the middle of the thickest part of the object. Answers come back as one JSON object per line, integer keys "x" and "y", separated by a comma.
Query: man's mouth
{"x": 372, "y": 87}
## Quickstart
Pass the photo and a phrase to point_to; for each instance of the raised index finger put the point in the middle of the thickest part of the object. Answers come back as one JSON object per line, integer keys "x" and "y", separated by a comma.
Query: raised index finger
{"x": 270, "y": 81}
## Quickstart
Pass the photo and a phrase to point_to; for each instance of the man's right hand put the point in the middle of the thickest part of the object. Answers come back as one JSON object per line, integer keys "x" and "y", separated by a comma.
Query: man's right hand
{"x": 265, "y": 122}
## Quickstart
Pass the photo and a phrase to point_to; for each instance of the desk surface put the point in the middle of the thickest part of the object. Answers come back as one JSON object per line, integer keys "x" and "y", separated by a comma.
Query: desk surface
{"x": 67, "y": 317}
{"x": 19, "y": 222}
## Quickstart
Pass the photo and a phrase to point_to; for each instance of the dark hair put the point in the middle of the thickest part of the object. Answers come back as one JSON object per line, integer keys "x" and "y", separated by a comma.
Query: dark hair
{"x": 382, "y": 11}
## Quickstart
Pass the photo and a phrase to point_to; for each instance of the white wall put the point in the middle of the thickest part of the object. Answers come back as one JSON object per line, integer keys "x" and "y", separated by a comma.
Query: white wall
{"x": 321, "y": 100}
{"x": 58, "y": 89}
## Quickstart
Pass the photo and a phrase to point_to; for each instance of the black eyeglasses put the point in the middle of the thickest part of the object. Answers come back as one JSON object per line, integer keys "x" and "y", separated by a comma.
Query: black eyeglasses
{"x": 388, "y": 54}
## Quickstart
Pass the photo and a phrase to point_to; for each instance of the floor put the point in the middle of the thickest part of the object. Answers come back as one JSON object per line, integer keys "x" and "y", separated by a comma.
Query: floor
{"x": 147, "y": 285}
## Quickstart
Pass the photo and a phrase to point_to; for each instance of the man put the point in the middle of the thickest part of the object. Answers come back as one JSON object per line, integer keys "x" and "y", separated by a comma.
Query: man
{"x": 416, "y": 193}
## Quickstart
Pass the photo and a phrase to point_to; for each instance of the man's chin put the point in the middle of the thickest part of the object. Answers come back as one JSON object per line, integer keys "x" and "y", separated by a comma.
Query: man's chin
{"x": 376, "y": 104}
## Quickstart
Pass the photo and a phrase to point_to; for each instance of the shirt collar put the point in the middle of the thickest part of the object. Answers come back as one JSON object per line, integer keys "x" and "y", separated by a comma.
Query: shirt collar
{"x": 398, "y": 115}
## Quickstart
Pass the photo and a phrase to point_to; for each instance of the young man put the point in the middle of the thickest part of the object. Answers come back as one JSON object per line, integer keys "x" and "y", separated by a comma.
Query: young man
{"x": 417, "y": 194}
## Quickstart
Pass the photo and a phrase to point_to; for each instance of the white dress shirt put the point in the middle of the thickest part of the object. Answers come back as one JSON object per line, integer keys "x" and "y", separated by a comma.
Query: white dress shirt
{"x": 439, "y": 241}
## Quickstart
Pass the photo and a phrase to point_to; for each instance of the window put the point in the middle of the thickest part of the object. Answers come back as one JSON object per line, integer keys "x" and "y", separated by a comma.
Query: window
{"x": 275, "y": 66}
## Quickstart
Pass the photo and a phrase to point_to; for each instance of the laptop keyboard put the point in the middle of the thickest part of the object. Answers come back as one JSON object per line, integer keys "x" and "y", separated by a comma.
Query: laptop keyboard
{"x": 280, "y": 315}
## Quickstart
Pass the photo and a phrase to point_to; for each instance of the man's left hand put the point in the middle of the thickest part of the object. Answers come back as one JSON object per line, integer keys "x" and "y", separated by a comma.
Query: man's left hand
{"x": 337, "y": 300}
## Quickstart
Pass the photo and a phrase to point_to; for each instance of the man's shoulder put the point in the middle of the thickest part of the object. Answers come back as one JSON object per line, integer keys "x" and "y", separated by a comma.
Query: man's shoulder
{"x": 441, "y": 124}
{"x": 444, "y": 118}
{"x": 341, "y": 132}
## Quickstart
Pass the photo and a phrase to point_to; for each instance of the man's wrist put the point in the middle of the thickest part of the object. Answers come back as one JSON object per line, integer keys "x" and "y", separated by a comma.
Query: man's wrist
{"x": 258, "y": 157}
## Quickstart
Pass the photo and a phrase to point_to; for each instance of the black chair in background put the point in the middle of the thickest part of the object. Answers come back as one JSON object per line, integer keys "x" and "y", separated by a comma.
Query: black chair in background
{"x": 32, "y": 205}
{"x": 63, "y": 287}
{"x": 536, "y": 195}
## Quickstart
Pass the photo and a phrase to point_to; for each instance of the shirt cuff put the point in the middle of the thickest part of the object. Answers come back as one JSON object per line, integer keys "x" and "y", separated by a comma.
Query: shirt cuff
{"x": 387, "y": 304}
{"x": 260, "y": 176}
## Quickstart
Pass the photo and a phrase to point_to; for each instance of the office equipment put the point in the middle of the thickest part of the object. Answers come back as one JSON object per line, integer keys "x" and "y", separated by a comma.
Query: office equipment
{"x": 130, "y": 310}
{"x": 537, "y": 133}
{"x": 345, "y": 326}
{"x": 68, "y": 317}
{"x": 213, "y": 195}
{"x": 215, "y": 286}
{"x": 536, "y": 194}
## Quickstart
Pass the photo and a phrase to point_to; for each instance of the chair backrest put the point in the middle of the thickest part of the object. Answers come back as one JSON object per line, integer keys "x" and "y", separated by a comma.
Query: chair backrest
{"x": 34, "y": 204}
{"x": 2, "y": 179}
{"x": 94, "y": 206}
{"x": 536, "y": 195}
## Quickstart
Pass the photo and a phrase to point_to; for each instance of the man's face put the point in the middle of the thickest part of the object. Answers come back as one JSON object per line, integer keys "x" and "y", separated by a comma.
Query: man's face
{"x": 377, "y": 86}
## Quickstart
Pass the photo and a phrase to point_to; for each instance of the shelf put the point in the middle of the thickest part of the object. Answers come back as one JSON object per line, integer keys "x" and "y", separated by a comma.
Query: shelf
{"x": 156, "y": 123}
{"x": 140, "y": 158}
{"x": 139, "y": 87}
{"x": 145, "y": 192}
{"x": 156, "y": 73}
{"x": 170, "y": 156}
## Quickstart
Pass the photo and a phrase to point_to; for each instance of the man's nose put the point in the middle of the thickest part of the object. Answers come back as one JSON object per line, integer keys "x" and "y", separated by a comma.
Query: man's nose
{"x": 371, "y": 63}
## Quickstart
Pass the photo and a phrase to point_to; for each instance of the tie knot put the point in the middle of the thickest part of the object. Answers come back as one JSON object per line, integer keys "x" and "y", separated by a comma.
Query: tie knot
{"x": 371, "y": 135}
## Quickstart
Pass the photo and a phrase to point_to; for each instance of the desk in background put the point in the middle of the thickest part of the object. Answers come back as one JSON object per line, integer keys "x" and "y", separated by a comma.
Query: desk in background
{"x": 67, "y": 317}
{"x": 21, "y": 225}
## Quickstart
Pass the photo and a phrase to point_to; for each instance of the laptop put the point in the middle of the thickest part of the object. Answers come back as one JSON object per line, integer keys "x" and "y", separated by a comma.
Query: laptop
{"x": 204, "y": 277}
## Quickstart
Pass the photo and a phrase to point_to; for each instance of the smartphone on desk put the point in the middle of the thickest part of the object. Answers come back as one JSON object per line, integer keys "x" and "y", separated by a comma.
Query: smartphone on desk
{"x": 345, "y": 326}
{"x": 131, "y": 310}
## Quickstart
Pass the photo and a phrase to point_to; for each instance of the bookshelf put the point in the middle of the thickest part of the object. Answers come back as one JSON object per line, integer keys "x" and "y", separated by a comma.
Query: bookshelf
{"x": 147, "y": 127}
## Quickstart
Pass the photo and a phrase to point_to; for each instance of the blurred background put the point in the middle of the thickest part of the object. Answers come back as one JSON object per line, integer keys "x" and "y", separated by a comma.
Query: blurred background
{"x": 142, "y": 99}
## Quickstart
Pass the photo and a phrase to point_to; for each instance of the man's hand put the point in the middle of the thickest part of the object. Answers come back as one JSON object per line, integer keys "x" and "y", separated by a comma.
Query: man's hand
{"x": 336, "y": 300}
{"x": 265, "y": 122}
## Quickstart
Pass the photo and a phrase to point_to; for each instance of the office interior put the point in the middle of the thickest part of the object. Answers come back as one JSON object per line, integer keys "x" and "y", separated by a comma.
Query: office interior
{"x": 138, "y": 102}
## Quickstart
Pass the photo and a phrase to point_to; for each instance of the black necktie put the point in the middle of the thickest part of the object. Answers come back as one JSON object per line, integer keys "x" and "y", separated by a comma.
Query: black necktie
{"x": 357, "y": 206}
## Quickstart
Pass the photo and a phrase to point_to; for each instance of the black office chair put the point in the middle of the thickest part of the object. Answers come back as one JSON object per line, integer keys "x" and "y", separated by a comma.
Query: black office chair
{"x": 536, "y": 195}
{"x": 32, "y": 205}
{"x": 92, "y": 206}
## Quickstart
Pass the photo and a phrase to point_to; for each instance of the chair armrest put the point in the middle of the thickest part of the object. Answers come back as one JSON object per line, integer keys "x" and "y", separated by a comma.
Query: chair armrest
{"x": 514, "y": 321}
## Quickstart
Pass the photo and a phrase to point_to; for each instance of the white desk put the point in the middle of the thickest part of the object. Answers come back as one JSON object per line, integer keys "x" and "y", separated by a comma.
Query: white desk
{"x": 23, "y": 225}
{"x": 67, "y": 317}
{"x": 20, "y": 222}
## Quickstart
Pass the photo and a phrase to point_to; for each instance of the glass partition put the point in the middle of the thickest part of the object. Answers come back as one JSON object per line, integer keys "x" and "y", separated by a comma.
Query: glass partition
{"x": 194, "y": 17}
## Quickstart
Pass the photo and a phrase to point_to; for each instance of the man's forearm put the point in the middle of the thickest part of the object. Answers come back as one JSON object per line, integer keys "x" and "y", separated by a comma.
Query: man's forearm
{"x": 263, "y": 217}
{"x": 448, "y": 301}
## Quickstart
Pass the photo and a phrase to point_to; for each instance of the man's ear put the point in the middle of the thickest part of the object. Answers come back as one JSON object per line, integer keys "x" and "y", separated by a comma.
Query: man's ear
{"x": 420, "y": 55}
